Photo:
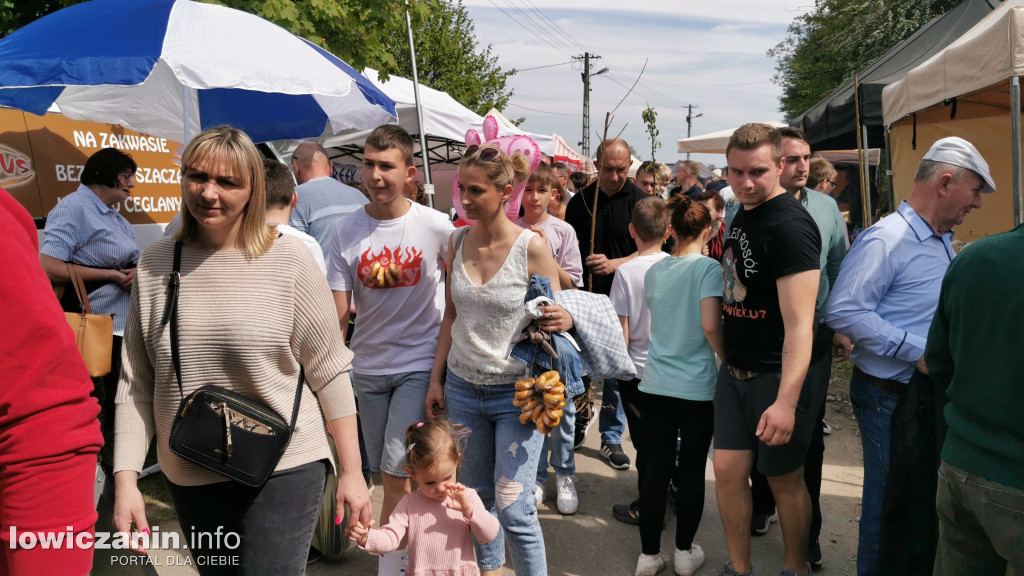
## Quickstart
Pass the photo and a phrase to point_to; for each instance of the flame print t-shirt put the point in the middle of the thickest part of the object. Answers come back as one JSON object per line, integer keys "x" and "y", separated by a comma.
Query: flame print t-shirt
{"x": 775, "y": 239}
{"x": 395, "y": 272}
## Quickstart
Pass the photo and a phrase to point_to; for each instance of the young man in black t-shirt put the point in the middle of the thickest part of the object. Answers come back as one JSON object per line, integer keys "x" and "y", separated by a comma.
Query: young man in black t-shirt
{"x": 771, "y": 266}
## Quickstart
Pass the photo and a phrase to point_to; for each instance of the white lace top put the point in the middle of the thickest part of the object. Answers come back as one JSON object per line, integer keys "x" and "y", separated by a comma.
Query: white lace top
{"x": 487, "y": 316}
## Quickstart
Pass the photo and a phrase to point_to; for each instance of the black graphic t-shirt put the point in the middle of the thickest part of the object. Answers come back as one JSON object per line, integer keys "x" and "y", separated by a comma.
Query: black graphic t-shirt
{"x": 774, "y": 240}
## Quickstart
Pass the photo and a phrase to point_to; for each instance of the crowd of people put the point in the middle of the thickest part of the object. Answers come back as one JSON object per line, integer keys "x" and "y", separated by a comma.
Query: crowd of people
{"x": 734, "y": 298}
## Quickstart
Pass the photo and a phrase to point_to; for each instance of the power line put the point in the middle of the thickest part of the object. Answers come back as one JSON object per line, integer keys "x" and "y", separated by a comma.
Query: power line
{"x": 539, "y": 27}
{"x": 546, "y": 66}
{"x": 539, "y": 37}
{"x": 542, "y": 111}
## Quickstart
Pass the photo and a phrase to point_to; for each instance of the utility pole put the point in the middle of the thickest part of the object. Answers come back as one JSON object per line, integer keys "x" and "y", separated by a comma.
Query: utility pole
{"x": 689, "y": 122}
{"x": 585, "y": 143}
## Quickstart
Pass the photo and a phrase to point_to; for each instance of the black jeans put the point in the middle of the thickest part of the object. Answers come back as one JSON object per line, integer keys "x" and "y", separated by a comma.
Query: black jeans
{"x": 232, "y": 529}
{"x": 665, "y": 420}
{"x": 630, "y": 395}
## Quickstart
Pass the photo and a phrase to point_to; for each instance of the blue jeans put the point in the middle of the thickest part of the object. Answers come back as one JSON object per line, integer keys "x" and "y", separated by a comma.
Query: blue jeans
{"x": 387, "y": 405}
{"x": 611, "y": 422}
{"x": 500, "y": 463}
{"x": 873, "y": 408}
{"x": 563, "y": 460}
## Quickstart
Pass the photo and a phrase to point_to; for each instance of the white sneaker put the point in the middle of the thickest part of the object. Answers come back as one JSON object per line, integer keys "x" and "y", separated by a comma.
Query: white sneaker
{"x": 687, "y": 562}
{"x": 650, "y": 565}
{"x": 567, "y": 501}
{"x": 538, "y": 493}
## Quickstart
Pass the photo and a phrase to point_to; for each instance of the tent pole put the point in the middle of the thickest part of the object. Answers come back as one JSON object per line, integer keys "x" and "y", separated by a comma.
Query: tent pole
{"x": 888, "y": 171}
{"x": 424, "y": 155}
{"x": 186, "y": 108}
{"x": 862, "y": 137}
{"x": 1016, "y": 149}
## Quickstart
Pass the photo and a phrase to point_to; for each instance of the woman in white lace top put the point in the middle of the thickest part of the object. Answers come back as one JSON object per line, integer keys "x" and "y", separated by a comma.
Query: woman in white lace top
{"x": 490, "y": 266}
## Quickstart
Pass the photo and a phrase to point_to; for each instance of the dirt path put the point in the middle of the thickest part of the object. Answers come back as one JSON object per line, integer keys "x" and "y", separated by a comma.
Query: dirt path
{"x": 592, "y": 542}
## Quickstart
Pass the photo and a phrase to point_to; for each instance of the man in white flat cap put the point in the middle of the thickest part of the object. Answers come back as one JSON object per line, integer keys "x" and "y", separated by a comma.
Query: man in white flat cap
{"x": 884, "y": 300}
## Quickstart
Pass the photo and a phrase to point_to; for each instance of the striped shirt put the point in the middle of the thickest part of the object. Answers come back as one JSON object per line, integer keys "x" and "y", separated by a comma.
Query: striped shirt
{"x": 83, "y": 230}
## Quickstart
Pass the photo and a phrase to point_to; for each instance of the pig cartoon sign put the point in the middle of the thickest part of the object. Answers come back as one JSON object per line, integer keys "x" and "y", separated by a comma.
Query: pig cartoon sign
{"x": 509, "y": 145}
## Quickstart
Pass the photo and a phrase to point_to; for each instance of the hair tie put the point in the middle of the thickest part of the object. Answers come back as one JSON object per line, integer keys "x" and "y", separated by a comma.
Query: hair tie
{"x": 419, "y": 424}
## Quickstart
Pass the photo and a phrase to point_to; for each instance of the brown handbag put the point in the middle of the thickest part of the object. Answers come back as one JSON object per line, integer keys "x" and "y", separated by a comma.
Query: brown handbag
{"x": 94, "y": 333}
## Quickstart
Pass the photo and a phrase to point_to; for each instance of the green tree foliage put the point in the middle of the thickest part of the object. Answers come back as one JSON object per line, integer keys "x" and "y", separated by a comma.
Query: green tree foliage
{"x": 650, "y": 118}
{"x": 16, "y": 13}
{"x": 449, "y": 59}
{"x": 357, "y": 31}
{"x": 831, "y": 43}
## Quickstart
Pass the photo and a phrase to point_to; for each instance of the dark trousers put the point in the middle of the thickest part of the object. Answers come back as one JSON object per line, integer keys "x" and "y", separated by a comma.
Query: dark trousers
{"x": 629, "y": 392}
{"x": 273, "y": 523}
{"x": 665, "y": 420}
{"x": 818, "y": 374}
{"x": 105, "y": 391}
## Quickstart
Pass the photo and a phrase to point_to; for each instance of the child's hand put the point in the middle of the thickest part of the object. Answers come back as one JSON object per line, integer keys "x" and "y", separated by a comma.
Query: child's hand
{"x": 358, "y": 532}
{"x": 538, "y": 232}
{"x": 459, "y": 499}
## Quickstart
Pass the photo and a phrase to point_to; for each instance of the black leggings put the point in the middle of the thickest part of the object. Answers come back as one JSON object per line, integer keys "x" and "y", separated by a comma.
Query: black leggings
{"x": 630, "y": 395}
{"x": 232, "y": 529}
{"x": 665, "y": 419}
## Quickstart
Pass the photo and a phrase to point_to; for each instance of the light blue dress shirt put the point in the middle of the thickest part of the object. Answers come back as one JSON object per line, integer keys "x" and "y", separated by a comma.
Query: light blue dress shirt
{"x": 887, "y": 291}
{"x": 84, "y": 230}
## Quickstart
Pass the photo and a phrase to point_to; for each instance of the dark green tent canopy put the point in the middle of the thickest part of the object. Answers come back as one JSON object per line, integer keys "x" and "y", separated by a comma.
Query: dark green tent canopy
{"x": 831, "y": 123}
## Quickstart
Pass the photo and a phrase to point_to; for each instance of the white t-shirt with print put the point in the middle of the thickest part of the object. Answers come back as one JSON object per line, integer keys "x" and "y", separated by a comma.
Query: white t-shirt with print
{"x": 628, "y": 300}
{"x": 397, "y": 326}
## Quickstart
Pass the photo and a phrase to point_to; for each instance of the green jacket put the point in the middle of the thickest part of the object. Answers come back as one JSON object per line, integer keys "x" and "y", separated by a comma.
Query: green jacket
{"x": 973, "y": 351}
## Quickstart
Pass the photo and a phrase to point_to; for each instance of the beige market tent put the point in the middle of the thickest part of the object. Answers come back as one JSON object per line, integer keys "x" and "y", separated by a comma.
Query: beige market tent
{"x": 971, "y": 89}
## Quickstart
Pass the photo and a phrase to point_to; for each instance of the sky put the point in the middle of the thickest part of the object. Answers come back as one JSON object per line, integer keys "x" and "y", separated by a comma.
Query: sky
{"x": 710, "y": 54}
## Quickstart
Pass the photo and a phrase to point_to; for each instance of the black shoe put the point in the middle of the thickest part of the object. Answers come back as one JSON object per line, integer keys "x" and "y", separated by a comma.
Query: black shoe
{"x": 584, "y": 418}
{"x": 615, "y": 456}
{"x": 759, "y": 523}
{"x": 628, "y": 513}
{"x": 814, "y": 555}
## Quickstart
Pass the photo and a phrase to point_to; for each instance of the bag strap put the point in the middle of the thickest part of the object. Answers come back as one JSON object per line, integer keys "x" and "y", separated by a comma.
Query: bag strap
{"x": 79, "y": 286}
{"x": 171, "y": 316}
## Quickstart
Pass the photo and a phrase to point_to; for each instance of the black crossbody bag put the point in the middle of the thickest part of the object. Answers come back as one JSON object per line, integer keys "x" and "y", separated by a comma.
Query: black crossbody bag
{"x": 221, "y": 430}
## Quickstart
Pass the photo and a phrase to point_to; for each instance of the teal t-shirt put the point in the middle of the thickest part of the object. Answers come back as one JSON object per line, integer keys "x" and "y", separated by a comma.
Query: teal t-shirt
{"x": 681, "y": 363}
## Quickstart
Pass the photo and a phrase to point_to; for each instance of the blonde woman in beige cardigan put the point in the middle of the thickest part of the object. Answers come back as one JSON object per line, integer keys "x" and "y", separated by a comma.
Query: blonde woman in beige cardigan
{"x": 253, "y": 309}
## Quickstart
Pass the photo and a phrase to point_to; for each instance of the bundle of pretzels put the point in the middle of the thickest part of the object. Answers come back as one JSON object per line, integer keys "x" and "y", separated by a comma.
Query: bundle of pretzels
{"x": 541, "y": 399}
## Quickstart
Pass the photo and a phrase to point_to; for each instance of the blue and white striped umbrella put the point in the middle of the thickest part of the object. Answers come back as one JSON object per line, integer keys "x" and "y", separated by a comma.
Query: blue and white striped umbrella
{"x": 149, "y": 65}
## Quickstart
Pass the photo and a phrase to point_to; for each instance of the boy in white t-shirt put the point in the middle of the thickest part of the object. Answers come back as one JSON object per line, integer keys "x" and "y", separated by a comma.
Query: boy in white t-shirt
{"x": 388, "y": 257}
{"x": 560, "y": 236}
{"x": 649, "y": 228}
{"x": 281, "y": 199}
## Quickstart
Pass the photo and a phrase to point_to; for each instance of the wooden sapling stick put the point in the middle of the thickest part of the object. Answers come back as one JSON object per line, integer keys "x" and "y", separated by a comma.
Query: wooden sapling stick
{"x": 597, "y": 191}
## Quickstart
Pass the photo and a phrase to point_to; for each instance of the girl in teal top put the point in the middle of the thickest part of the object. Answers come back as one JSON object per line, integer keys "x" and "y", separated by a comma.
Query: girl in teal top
{"x": 684, "y": 294}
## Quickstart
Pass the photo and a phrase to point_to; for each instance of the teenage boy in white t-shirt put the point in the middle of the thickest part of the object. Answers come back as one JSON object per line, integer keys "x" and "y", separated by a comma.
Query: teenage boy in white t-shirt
{"x": 649, "y": 228}
{"x": 389, "y": 258}
{"x": 281, "y": 199}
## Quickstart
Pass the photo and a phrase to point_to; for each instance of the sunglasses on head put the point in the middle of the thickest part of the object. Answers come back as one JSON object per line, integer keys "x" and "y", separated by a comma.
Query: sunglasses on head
{"x": 487, "y": 154}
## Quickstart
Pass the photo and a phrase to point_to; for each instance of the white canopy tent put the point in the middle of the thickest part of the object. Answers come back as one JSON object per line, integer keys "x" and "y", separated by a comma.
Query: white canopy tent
{"x": 971, "y": 89}
{"x": 713, "y": 143}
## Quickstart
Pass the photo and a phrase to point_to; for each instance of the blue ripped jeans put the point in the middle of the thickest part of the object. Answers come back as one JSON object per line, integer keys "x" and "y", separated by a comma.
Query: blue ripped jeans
{"x": 500, "y": 462}
{"x": 873, "y": 408}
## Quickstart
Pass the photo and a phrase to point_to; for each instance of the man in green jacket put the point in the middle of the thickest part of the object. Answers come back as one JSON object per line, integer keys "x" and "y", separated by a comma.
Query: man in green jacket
{"x": 974, "y": 351}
